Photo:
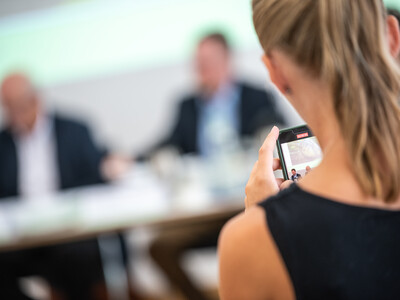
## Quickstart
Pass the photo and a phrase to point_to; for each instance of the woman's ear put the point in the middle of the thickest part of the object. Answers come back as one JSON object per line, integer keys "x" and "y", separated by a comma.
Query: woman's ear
{"x": 393, "y": 36}
{"x": 276, "y": 75}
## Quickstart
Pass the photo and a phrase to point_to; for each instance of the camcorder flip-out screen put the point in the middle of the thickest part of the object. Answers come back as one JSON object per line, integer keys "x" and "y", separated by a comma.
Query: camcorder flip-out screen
{"x": 299, "y": 152}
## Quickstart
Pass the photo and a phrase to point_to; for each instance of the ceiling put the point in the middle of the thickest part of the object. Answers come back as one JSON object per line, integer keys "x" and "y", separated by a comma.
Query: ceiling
{"x": 11, "y": 7}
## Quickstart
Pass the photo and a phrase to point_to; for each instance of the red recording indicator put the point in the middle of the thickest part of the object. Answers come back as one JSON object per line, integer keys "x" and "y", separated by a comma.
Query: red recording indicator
{"x": 302, "y": 135}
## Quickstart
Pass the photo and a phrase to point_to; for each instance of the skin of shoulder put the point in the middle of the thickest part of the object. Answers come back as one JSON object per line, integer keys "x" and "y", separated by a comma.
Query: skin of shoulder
{"x": 250, "y": 264}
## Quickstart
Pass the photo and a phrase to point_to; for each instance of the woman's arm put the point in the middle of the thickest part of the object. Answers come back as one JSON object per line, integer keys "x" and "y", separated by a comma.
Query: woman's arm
{"x": 250, "y": 263}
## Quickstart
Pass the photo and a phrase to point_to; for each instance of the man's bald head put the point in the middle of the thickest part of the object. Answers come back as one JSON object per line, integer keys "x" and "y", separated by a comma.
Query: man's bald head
{"x": 20, "y": 102}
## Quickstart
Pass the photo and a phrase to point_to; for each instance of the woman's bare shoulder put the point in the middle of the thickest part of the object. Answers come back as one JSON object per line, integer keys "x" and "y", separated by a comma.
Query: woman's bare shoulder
{"x": 250, "y": 264}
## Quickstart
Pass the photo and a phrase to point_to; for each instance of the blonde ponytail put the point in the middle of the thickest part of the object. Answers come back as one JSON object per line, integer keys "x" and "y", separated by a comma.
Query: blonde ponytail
{"x": 344, "y": 42}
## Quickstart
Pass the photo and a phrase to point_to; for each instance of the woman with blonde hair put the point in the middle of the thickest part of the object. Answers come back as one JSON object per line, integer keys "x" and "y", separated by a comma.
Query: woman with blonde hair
{"x": 324, "y": 239}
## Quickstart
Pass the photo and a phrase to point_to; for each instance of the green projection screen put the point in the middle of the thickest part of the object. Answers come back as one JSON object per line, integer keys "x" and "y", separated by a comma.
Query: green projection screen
{"x": 81, "y": 39}
{"x": 392, "y": 3}
{"x": 90, "y": 38}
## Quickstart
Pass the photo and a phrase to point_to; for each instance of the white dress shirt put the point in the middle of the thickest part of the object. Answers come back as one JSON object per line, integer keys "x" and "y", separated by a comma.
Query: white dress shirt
{"x": 37, "y": 160}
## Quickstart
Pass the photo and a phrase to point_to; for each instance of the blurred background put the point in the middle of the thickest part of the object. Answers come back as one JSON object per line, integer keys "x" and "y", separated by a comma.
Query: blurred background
{"x": 117, "y": 63}
{"x": 123, "y": 67}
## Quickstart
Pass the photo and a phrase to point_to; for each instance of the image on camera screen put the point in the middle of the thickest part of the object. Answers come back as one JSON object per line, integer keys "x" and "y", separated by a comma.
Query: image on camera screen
{"x": 301, "y": 157}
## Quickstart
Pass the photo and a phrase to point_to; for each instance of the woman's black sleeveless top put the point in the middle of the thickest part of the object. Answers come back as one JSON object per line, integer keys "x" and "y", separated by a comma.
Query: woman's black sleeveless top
{"x": 334, "y": 250}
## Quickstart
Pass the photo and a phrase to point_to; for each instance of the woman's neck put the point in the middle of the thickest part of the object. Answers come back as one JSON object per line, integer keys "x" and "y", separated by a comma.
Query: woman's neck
{"x": 334, "y": 177}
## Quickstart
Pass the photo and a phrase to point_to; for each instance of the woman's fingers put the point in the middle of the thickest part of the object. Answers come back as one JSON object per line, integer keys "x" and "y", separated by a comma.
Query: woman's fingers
{"x": 279, "y": 181}
{"x": 285, "y": 184}
{"x": 276, "y": 164}
{"x": 266, "y": 152}
{"x": 262, "y": 182}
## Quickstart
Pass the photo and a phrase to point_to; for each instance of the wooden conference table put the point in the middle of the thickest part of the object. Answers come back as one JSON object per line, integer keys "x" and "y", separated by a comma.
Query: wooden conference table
{"x": 139, "y": 199}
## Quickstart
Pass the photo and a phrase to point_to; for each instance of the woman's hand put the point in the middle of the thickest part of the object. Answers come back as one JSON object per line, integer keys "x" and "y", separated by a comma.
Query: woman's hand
{"x": 262, "y": 182}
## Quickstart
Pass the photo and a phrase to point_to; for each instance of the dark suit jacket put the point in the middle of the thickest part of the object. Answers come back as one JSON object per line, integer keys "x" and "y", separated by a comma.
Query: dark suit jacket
{"x": 78, "y": 159}
{"x": 256, "y": 110}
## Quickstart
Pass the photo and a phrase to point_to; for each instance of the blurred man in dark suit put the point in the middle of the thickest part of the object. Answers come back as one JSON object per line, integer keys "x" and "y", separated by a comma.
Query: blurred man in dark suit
{"x": 41, "y": 153}
{"x": 220, "y": 112}
{"x": 241, "y": 108}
